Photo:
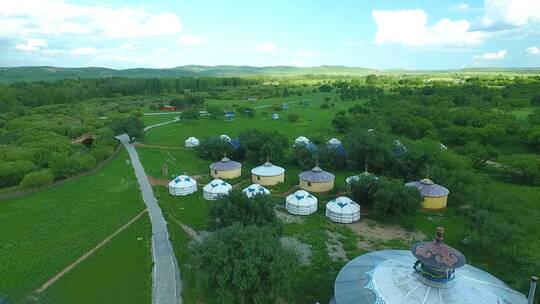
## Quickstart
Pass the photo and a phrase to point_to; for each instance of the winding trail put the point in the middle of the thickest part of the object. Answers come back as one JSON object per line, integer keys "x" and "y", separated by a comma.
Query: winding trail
{"x": 161, "y": 124}
{"x": 166, "y": 283}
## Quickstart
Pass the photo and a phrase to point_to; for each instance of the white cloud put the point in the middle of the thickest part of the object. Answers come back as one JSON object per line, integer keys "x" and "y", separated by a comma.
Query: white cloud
{"x": 267, "y": 47}
{"x": 354, "y": 44}
{"x": 492, "y": 55}
{"x": 192, "y": 39}
{"x": 60, "y": 17}
{"x": 308, "y": 53}
{"x": 409, "y": 27}
{"x": 128, "y": 46}
{"x": 533, "y": 50}
{"x": 504, "y": 14}
{"x": 32, "y": 45}
{"x": 84, "y": 51}
{"x": 461, "y": 7}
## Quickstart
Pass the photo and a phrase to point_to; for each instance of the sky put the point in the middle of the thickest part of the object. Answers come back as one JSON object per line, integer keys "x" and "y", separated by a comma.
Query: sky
{"x": 380, "y": 34}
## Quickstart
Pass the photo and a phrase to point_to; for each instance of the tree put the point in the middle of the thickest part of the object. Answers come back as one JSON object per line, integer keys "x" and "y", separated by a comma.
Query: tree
{"x": 371, "y": 148}
{"x": 524, "y": 169}
{"x": 238, "y": 208}
{"x": 192, "y": 114}
{"x": 293, "y": 117}
{"x": 214, "y": 149}
{"x": 533, "y": 138}
{"x": 260, "y": 144}
{"x": 132, "y": 126}
{"x": 364, "y": 189}
{"x": 245, "y": 264}
{"x": 303, "y": 158}
{"x": 215, "y": 112}
{"x": 342, "y": 123}
{"x": 63, "y": 165}
{"x": 11, "y": 173}
{"x": 394, "y": 199}
{"x": 478, "y": 153}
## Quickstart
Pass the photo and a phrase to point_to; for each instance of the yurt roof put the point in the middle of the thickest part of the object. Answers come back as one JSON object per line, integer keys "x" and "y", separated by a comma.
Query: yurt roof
{"x": 225, "y": 137}
{"x": 364, "y": 174}
{"x": 342, "y": 205}
{"x": 428, "y": 188}
{"x": 217, "y": 186}
{"x": 192, "y": 139}
{"x": 316, "y": 175}
{"x": 182, "y": 181}
{"x": 334, "y": 141}
{"x": 235, "y": 143}
{"x": 388, "y": 276}
{"x": 254, "y": 189}
{"x": 268, "y": 169}
{"x": 225, "y": 164}
{"x": 301, "y": 197}
{"x": 301, "y": 139}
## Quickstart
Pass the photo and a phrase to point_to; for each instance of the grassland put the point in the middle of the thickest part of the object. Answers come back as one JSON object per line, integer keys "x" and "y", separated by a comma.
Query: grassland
{"x": 42, "y": 233}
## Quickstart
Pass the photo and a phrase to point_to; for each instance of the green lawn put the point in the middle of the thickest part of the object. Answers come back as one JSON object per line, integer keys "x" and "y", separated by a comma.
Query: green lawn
{"x": 42, "y": 233}
{"x": 117, "y": 273}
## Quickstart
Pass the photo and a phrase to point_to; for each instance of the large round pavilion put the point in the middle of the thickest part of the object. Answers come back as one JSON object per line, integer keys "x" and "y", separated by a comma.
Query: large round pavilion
{"x": 191, "y": 142}
{"x": 216, "y": 189}
{"x": 255, "y": 189}
{"x": 182, "y": 185}
{"x": 435, "y": 196}
{"x": 268, "y": 174}
{"x": 226, "y": 169}
{"x": 316, "y": 180}
{"x": 432, "y": 272}
{"x": 301, "y": 203}
{"x": 343, "y": 210}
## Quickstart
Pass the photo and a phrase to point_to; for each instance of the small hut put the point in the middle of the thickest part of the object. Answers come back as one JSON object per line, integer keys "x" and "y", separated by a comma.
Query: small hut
{"x": 255, "y": 189}
{"x": 268, "y": 174}
{"x": 275, "y": 116}
{"x": 226, "y": 169}
{"x": 334, "y": 142}
{"x": 182, "y": 185}
{"x": 284, "y": 106}
{"x": 316, "y": 180}
{"x": 229, "y": 116}
{"x": 435, "y": 196}
{"x": 301, "y": 203}
{"x": 191, "y": 142}
{"x": 216, "y": 189}
{"x": 225, "y": 137}
{"x": 343, "y": 210}
{"x": 301, "y": 141}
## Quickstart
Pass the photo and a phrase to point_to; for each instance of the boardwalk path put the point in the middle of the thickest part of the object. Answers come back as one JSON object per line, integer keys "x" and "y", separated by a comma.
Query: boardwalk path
{"x": 166, "y": 283}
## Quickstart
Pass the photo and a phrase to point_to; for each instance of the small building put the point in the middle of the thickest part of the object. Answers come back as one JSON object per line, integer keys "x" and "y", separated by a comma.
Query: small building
{"x": 168, "y": 108}
{"x": 225, "y": 137}
{"x": 301, "y": 203}
{"x": 343, "y": 210}
{"x": 284, "y": 106}
{"x": 229, "y": 116}
{"x": 191, "y": 142}
{"x": 435, "y": 196}
{"x": 182, "y": 185}
{"x": 311, "y": 147}
{"x": 255, "y": 189}
{"x": 431, "y": 272}
{"x": 364, "y": 175}
{"x": 226, "y": 169}
{"x": 216, "y": 189}
{"x": 268, "y": 174}
{"x": 316, "y": 180}
{"x": 334, "y": 142}
{"x": 301, "y": 141}
{"x": 275, "y": 116}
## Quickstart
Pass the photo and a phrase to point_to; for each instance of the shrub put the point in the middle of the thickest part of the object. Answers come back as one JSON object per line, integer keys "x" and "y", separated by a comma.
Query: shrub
{"x": 37, "y": 179}
{"x": 325, "y": 105}
{"x": 63, "y": 165}
{"x": 238, "y": 208}
{"x": 364, "y": 189}
{"x": 11, "y": 173}
{"x": 393, "y": 198}
{"x": 214, "y": 148}
{"x": 190, "y": 115}
{"x": 293, "y": 117}
{"x": 260, "y": 144}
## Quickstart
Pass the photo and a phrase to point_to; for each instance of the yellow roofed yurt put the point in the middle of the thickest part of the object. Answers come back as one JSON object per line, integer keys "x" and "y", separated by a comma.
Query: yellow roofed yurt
{"x": 226, "y": 169}
{"x": 316, "y": 180}
{"x": 435, "y": 196}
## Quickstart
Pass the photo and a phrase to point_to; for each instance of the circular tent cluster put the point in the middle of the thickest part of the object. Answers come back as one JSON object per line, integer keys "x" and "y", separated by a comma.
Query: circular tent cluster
{"x": 316, "y": 180}
{"x": 255, "y": 189}
{"x": 435, "y": 196}
{"x": 226, "y": 169}
{"x": 431, "y": 272}
{"x": 343, "y": 210}
{"x": 191, "y": 142}
{"x": 301, "y": 141}
{"x": 268, "y": 174}
{"x": 216, "y": 189}
{"x": 182, "y": 185}
{"x": 301, "y": 203}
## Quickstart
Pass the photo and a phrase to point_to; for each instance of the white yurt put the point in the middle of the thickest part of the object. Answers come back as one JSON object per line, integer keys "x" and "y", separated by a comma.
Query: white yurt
{"x": 268, "y": 174}
{"x": 191, "y": 142}
{"x": 343, "y": 210}
{"x": 301, "y": 141}
{"x": 255, "y": 189}
{"x": 334, "y": 142}
{"x": 216, "y": 189}
{"x": 225, "y": 137}
{"x": 301, "y": 203}
{"x": 182, "y": 185}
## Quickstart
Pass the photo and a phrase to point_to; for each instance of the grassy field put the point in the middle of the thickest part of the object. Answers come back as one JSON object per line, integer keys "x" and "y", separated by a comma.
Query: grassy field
{"x": 42, "y": 233}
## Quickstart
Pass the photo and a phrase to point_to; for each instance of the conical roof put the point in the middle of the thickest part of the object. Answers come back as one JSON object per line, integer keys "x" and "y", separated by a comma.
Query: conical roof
{"x": 316, "y": 175}
{"x": 268, "y": 169}
{"x": 225, "y": 164}
{"x": 428, "y": 188}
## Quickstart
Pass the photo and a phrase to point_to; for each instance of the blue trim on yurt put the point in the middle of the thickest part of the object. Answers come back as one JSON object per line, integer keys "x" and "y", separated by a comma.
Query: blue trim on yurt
{"x": 235, "y": 143}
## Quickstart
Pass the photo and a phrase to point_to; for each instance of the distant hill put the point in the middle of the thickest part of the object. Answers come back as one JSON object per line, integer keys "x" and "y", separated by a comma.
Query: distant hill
{"x": 46, "y": 73}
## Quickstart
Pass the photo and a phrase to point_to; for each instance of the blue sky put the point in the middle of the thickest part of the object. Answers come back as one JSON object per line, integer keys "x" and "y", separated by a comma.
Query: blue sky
{"x": 376, "y": 34}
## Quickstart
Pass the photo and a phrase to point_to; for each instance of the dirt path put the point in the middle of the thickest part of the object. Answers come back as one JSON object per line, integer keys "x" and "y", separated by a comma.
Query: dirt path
{"x": 88, "y": 254}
